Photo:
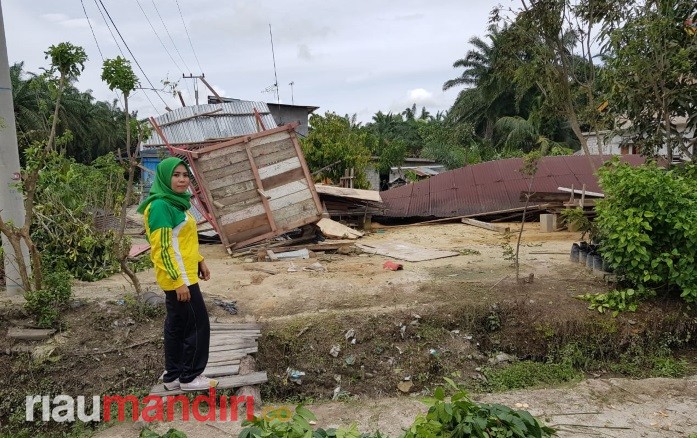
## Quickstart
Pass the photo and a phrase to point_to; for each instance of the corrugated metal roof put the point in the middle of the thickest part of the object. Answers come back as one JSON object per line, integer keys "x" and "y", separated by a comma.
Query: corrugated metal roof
{"x": 490, "y": 187}
{"x": 214, "y": 121}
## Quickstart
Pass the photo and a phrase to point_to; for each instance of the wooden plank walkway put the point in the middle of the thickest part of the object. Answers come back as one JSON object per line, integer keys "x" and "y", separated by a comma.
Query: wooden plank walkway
{"x": 229, "y": 345}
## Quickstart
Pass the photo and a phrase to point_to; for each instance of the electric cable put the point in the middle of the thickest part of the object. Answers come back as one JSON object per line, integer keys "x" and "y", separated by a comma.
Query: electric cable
{"x": 129, "y": 51}
{"x": 188, "y": 36}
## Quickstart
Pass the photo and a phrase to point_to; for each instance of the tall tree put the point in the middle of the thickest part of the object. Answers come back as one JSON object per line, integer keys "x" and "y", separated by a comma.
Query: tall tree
{"x": 652, "y": 76}
{"x": 558, "y": 36}
{"x": 118, "y": 74}
{"x": 488, "y": 75}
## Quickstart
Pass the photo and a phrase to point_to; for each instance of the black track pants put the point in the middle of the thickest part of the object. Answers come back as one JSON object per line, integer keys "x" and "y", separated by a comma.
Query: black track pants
{"x": 187, "y": 336}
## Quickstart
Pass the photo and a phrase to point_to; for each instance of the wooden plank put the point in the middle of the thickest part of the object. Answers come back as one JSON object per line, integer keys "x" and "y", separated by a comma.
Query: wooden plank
{"x": 223, "y": 362}
{"x": 305, "y": 220}
{"x": 264, "y": 200}
{"x": 233, "y": 346}
{"x": 276, "y": 157}
{"x": 283, "y": 178}
{"x": 238, "y": 201}
{"x": 405, "y": 251}
{"x": 229, "y": 158}
{"x": 29, "y": 334}
{"x": 242, "y": 236}
{"x": 278, "y": 168}
{"x": 224, "y": 370}
{"x": 217, "y": 329}
{"x": 252, "y": 223}
{"x": 287, "y": 189}
{"x": 275, "y": 144}
{"x": 227, "y": 191}
{"x": 334, "y": 230}
{"x": 269, "y": 138}
{"x": 223, "y": 383}
{"x": 232, "y": 354}
{"x": 222, "y": 338}
{"x": 587, "y": 193}
{"x": 273, "y": 205}
{"x": 226, "y": 177}
{"x": 486, "y": 226}
{"x": 306, "y": 170}
{"x": 341, "y": 192}
{"x": 237, "y": 326}
{"x": 293, "y": 213}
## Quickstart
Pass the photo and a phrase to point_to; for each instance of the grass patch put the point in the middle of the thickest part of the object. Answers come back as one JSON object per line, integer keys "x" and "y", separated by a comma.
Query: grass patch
{"x": 528, "y": 374}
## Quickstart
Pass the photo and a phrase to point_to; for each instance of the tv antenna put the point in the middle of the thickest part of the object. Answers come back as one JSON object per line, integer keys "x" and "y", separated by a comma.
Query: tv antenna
{"x": 275, "y": 75}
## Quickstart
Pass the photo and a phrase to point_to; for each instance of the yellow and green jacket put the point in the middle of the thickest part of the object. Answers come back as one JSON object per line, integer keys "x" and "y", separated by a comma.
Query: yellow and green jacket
{"x": 173, "y": 246}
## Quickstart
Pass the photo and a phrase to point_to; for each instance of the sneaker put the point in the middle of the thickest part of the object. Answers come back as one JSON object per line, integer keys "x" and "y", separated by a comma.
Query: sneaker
{"x": 173, "y": 385}
{"x": 199, "y": 383}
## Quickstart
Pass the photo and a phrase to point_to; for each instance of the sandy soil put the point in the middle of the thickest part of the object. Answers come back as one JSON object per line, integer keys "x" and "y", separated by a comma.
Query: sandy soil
{"x": 357, "y": 284}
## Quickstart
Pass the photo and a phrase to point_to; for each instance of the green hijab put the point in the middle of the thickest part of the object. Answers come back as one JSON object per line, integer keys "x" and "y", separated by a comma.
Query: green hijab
{"x": 162, "y": 187}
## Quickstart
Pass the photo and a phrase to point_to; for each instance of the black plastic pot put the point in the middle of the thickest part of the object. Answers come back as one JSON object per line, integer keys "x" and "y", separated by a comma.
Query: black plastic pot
{"x": 575, "y": 249}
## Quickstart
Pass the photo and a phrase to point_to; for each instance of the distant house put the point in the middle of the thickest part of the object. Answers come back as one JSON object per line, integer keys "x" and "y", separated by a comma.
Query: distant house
{"x": 283, "y": 113}
{"x": 620, "y": 145}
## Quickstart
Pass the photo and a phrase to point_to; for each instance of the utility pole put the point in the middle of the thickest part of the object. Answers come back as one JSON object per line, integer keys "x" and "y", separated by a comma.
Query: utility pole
{"x": 292, "y": 99}
{"x": 11, "y": 200}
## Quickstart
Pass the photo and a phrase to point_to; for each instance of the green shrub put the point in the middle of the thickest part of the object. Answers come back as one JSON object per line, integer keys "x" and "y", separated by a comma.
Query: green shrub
{"x": 71, "y": 198}
{"x": 46, "y": 303}
{"x": 464, "y": 417}
{"x": 648, "y": 227}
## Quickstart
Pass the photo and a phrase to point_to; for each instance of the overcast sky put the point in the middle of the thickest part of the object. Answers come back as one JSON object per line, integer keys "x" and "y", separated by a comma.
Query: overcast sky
{"x": 346, "y": 57}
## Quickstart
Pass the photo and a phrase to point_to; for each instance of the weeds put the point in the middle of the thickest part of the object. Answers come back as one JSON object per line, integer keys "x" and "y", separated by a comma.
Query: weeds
{"x": 528, "y": 374}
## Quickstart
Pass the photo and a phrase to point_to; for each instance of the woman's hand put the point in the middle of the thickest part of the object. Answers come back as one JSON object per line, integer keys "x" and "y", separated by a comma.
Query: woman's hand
{"x": 203, "y": 272}
{"x": 183, "y": 293}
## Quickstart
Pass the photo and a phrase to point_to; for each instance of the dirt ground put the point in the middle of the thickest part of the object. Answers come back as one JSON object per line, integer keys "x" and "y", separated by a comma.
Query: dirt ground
{"x": 355, "y": 287}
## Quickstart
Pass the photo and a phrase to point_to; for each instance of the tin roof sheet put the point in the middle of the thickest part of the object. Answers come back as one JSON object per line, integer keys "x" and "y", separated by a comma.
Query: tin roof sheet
{"x": 198, "y": 123}
{"x": 490, "y": 187}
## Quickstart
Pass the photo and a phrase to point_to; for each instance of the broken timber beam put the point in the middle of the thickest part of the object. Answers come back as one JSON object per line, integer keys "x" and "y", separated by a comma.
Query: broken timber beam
{"x": 486, "y": 226}
{"x": 23, "y": 334}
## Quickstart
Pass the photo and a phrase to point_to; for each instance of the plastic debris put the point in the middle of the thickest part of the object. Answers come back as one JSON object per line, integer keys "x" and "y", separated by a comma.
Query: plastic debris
{"x": 229, "y": 306}
{"x": 295, "y": 376}
{"x": 350, "y": 360}
{"x": 392, "y": 266}
{"x": 350, "y": 333}
{"x": 335, "y": 350}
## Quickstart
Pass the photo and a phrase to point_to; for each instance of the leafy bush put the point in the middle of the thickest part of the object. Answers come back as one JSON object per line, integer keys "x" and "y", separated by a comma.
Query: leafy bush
{"x": 616, "y": 300}
{"x": 47, "y": 302}
{"x": 71, "y": 198}
{"x": 648, "y": 227}
{"x": 464, "y": 417}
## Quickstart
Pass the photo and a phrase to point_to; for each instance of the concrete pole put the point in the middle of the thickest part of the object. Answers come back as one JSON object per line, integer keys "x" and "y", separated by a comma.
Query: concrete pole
{"x": 11, "y": 201}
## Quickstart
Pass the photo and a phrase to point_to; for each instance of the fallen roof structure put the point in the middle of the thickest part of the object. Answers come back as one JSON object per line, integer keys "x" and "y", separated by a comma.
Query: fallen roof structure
{"x": 491, "y": 188}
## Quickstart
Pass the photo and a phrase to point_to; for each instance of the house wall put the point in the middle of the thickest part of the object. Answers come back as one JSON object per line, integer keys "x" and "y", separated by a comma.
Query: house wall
{"x": 284, "y": 114}
{"x": 373, "y": 177}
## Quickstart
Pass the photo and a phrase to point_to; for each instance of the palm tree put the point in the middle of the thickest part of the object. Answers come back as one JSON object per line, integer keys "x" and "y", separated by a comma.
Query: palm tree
{"x": 491, "y": 93}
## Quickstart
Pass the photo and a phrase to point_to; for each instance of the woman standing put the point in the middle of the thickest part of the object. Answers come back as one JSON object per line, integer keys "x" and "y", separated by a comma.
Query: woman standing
{"x": 172, "y": 233}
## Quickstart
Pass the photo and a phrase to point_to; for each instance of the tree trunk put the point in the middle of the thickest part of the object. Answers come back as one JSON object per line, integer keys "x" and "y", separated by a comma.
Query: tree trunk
{"x": 54, "y": 123}
{"x": 122, "y": 247}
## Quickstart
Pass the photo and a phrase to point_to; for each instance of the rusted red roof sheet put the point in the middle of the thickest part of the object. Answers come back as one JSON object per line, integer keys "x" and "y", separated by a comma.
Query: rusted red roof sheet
{"x": 490, "y": 187}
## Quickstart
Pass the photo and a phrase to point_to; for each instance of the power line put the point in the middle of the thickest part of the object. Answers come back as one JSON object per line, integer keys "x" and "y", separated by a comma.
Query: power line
{"x": 158, "y": 37}
{"x": 189, "y": 37}
{"x": 129, "y": 51}
{"x": 170, "y": 36}
{"x": 107, "y": 26}
{"x": 118, "y": 97}
{"x": 92, "y": 29}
